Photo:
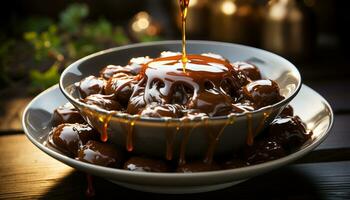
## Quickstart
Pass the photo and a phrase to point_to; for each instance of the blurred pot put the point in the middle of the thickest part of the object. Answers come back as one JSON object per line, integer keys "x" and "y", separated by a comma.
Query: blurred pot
{"x": 235, "y": 21}
{"x": 197, "y": 17}
{"x": 289, "y": 29}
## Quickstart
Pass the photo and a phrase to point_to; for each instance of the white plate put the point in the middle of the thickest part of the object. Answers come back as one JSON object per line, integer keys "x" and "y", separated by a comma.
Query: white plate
{"x": 313, "y": 109}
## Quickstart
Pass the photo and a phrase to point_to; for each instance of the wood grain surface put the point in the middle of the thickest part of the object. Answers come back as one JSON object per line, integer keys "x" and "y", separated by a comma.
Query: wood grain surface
{"x": 36, "y": 175}
{"x": 11, "y": 114}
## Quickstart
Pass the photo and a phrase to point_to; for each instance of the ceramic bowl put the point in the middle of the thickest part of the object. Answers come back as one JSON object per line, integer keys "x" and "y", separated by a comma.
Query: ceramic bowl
{"x": 182, "y": 138}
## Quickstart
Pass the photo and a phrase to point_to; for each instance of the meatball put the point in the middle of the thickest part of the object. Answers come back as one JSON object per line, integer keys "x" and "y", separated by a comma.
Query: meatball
{"x": 181, "y": 94}
{"x": 68, "y": 138}
{"x": 287, "y": 111}
{"x": 146, "y": 165}
{"x": 135, "y": 64}
{"x": 66, "y": 114}
{"x": 263, "y": 151}
{"x": 103, "y": 101}
{"x": 153, "y": 92}
{"x": 211, "y": 102}
{"x": 111, "y": 70}
{"x": 121, "y": 86}
{"x": 289, "y": 131}
{"x": 100, "y": 154}
{"x": 90, "y": 85}
{"x": 136, "y": 102}
{"x": 230, "y": 87}
{"x": 250, "y": 70}
{"x": 262, "y": 93}
{"x": 239, "y": 78}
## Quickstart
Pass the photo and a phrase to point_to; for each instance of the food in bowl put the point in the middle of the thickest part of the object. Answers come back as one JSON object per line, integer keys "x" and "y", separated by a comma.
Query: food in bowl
{"x": 76, "y": 139}
{"x": 209, "y": 86}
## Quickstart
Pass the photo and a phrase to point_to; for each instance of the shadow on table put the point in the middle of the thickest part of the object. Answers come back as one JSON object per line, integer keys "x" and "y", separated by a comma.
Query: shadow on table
{"x": 287, "y": 183}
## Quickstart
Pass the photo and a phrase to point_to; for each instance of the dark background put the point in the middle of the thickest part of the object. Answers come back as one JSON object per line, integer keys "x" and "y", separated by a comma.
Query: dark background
{"x": 323, "y": 61}
{"x": 321, "y": 32}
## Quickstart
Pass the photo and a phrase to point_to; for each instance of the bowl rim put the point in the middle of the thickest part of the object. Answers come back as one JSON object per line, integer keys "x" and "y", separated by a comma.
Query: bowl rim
{"x": 120, "y": 114}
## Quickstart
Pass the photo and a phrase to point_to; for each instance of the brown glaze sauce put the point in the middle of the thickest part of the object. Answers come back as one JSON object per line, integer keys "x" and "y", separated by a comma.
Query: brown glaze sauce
{"x": 214, "y": 137}
{"x": 105, "y": 121}
{"x": 251, "y": 132}
{"x": 170, "y": 140}
{"x": 203, "y": 80}
{"x": 183, "y": 145}
{"x": 283, "y": 136}
{"x": 130, "y": 134}
{"x": 183, "y": 10}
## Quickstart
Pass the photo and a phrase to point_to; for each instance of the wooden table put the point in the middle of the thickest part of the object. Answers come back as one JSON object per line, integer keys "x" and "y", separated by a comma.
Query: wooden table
{"x": 26, "y": 172}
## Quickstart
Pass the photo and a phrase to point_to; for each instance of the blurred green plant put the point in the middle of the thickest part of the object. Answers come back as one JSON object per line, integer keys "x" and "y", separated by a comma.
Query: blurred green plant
{"x": 45, "y": 44}
{"x": 36, "y": 24}
{"x": 73, "y": 16}
{"x": 5, "y": 47}
{"x": 72, "y": 37}
{"x": 48, "y": 46}
{"x": 43, "y": 80}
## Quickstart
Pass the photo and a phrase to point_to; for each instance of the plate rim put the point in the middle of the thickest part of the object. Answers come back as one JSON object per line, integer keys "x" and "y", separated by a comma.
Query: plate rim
{"x": 169, "y": 176}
